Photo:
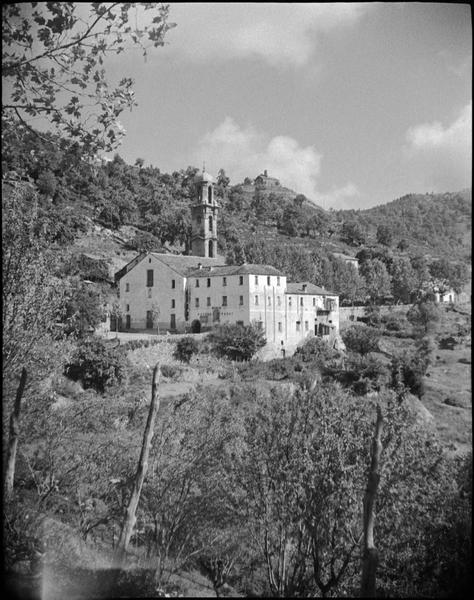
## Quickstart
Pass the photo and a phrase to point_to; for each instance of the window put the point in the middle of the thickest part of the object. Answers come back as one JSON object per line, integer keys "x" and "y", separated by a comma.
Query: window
{"x": 209, "y": 301}
{"x": 197, "y": 282}
{"x": 289, "y": 300}
{"x": 301, "y": 301}
{"x": 149, "y": 278}
{"x": 314, "y": 301}
{"x": 241, "y": 280}
{"x": 224, "y": 281}
{"x": 298, "y": 325}
{"x": 127, "y": 287}
{"x": 197, "y": 302}
{"x": 241, "y": 300}
{"x": 149, "y": 260}
{"x": 280, "y": 328}
{"x": 173, "y": 303}
{"x": 269, "y": 301}
{"x": 127, "y": 307}
{"x": 278, "y": 300}
{"x": 256, "y": 300}
{"x": 256, "y": 279}
{"x": 199, "y": 220}
{"x": 269, "y": 280}
{"x": 210, "y": 224}
{"x": 208, "y": 282}
{"x": 209, "y": 194}
{"x": 224, "y": 300}
{"x": 241, "y": 323}
{"x": 278, "y": 280}
{"x": 260, "y": 325}
{"x": 306, "y": 325}
{"x": 173, "y": 284}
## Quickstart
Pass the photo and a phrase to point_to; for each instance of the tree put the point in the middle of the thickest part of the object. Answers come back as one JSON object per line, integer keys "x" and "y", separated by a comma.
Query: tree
{"x": 361, "y": 339}
{"x": 53, "y": 64}
{"x": 97, "y": 365}
{"x": 353, "y": 233}
{"x": 448, "y": 274}
{"x": 142, "y": 468}
{"x": 384, "y": 235}
{"x": 299, "y": 199}
{"x": 425, "y": 316}
{"x": 377, "y": 279}
{"x": 237, "y": 342}
{"x": 404, "y": 280}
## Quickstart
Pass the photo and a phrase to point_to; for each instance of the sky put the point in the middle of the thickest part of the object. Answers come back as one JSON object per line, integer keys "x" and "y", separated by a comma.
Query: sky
{"x": 350, "y": 104}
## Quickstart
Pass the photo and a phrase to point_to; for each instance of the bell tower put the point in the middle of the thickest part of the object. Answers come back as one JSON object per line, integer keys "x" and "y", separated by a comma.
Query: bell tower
{"x": 204, "y": 218}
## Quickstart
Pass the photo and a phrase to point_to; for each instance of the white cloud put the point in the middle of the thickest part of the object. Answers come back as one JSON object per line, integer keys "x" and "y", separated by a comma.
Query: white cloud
{"x": 443, "y": 153}
{"x": 280, "y": 34}
{"x": 246, "y": 152}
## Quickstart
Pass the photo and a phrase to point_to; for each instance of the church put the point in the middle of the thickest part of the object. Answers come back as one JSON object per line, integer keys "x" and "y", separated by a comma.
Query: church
{"x": 177, "y": 293}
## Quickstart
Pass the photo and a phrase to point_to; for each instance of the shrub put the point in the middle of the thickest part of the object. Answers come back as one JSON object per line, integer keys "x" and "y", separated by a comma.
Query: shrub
{"x": 362, "y": 374}
{"x": 316, "y": 350}
{"x": 407, "y": 374}
{"x": 361, "y": 339}
{"x": 185, "y": 348}
{"x": 424, "y": 315}
{"x": 97, "y": 365}
{"x": 237, "y": 342}
{"x": 170, "y": 371}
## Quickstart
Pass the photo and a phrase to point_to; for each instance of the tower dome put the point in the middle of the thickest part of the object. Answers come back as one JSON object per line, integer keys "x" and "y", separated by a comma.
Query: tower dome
{"x": 203, "y": 177}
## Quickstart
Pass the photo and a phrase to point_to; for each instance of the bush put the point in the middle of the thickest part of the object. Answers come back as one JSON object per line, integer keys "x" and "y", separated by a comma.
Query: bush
{"x": 185, "y": 348}
{"x": 237, "y": 342}
{"x": 170, "y": 371}
{"x": 97, "y": 365}
{"x": 362, "y": 374}
{"x": 361, "y": 339}
{"x": 316, "y": 350}
{"x": 407, "y": 374}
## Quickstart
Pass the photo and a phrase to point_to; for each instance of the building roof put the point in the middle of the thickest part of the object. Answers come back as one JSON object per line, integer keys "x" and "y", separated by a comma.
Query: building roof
{"x": 245, "y": 269}
{"x": 297, "y": 288}
{"x": 178, "y": 262}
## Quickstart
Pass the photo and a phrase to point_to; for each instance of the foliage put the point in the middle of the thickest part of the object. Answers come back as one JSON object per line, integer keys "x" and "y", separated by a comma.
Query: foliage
{"x": 361, "y": 339}
{"x": 377, "y": 279}
{"x": 97, "y": 365}
{"x": 185, "y": 348}
{"x": 404, "y": 280}
{"x": 425, "y": 316}
{"x": 353, "y": 233}
{"x": 53, "y": 61}
{"x": 316, "y": 350}
{"x": 32, "y": 302}
{"x": 384, "y": 235}
{"x": 449, "y": 274}
{"x": 84, "y": 309}
{"x": 237, "y": 342}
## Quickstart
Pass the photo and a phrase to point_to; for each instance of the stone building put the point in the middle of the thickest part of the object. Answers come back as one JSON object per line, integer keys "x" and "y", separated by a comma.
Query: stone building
{"x": 165, "y": 292}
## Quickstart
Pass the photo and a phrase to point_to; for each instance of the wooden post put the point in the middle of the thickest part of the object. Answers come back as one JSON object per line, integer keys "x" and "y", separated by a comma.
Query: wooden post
{"x": 142, "y": 469}
{"x": 370, "y": 557}
{"x": 13, "y": 437}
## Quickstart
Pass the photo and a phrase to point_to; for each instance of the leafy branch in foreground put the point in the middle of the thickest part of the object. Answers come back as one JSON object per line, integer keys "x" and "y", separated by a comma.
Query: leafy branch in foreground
{"x": 53, "y": 63}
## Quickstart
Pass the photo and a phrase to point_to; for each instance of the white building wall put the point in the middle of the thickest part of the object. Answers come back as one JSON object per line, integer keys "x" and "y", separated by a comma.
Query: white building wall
{"x": 140, "y": 298}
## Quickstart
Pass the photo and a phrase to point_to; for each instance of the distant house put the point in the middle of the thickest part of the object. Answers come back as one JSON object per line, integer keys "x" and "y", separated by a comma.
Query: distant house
{"x": 265, "y": 181}
{"x": 349, "y": 260}
{"x": 445, "y": 295}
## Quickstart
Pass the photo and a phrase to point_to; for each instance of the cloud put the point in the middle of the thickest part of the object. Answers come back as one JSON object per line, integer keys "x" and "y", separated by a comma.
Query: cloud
{"x": 280, "y": 34}
{"x": 246, "y": 152}
{"x": 443, "y": 153}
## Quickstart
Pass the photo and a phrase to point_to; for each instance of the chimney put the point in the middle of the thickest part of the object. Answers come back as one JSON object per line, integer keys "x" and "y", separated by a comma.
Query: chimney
{"x": 199, "y": 266}
{"x": 265, "y": 173}
{"x": 304, "y": 287}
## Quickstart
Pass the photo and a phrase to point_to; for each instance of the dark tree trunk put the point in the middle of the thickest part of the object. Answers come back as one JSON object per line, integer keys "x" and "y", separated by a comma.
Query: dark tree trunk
{"x": 13, "y": 437}
{"x": 142, "y": 468}
{"x": 370, "y": 557}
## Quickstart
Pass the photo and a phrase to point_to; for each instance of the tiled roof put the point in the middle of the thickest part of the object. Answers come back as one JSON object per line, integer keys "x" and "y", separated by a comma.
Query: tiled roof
{"x": 297, "y": 288}
{"x": 183, "y": 264}
{"x": 177, "y": 262}
{"x": 234, "y": 270}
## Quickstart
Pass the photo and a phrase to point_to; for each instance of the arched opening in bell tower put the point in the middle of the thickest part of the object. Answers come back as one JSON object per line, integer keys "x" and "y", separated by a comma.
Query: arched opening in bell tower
{"x": 210, "y": 224}
{"x": 209, "y": 194}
